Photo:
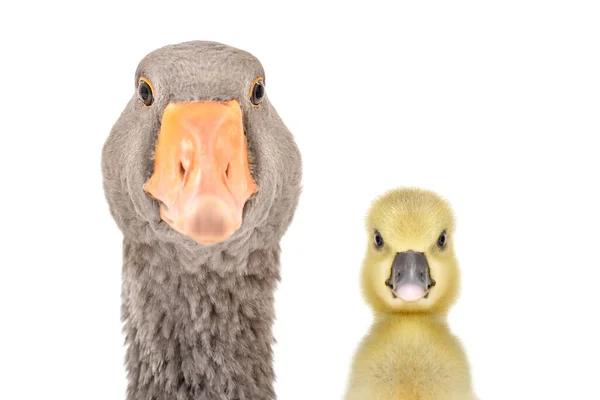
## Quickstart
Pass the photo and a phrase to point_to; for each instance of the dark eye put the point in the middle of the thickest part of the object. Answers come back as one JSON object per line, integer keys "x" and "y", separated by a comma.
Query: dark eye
{"x": 378, "y": 239}
{"x": 257, "y": 91}
{"x": 145, "y": 92}
{"x": 442, "y": 240}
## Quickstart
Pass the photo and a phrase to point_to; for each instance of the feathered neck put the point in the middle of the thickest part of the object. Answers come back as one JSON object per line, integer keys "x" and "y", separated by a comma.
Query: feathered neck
{"x": 199, "y": 331}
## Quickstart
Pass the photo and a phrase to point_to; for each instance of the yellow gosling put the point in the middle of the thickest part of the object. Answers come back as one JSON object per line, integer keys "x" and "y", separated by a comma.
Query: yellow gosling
{"x": 410, "y": 278}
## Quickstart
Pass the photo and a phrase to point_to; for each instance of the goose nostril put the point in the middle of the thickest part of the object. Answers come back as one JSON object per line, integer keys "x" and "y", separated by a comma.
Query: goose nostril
{"x": 181, "y": 170}
{"x": 227, "y": 171}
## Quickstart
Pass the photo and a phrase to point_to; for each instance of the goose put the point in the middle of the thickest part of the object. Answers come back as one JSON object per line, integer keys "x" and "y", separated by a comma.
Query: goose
{"x": 410, "y": 277}
{"x": 203, "y": 178}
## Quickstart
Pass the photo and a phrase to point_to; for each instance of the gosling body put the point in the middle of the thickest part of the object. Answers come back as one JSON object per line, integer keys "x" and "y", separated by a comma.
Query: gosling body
{"x": 410, "y": 357}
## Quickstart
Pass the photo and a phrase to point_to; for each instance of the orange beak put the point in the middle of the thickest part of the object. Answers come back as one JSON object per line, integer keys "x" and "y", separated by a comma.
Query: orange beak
{"x": 201, "y": 172}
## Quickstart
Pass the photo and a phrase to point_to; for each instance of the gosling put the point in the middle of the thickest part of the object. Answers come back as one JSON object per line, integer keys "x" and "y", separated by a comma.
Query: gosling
{"x": 410, "y": 278}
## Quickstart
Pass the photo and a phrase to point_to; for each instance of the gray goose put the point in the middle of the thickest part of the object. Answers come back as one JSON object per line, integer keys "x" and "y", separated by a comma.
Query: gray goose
{"x": 203, "y": 178}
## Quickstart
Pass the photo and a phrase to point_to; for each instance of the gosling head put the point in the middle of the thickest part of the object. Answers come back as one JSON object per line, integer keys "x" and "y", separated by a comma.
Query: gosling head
{"x": 410, "y": 266}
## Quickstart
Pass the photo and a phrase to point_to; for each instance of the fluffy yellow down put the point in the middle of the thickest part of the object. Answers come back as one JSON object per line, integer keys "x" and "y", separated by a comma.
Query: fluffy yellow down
{"x": 409, "y": 353}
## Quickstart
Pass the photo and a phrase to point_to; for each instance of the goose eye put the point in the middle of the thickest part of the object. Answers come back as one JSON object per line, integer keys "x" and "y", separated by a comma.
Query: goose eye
{"x": 257, "y": 91}
{"x": 145, "y": 92}
{"x": 442, "y": 240}
{"x": 378, "y": 239}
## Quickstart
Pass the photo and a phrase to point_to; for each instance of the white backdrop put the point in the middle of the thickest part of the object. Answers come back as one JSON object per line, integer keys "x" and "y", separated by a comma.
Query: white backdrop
{"x": 493, "y": 105}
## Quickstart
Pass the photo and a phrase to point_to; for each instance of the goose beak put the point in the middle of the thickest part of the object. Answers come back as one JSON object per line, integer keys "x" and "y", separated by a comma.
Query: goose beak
{"x": 201, "y": 175}
{"x": 410, "y": 279}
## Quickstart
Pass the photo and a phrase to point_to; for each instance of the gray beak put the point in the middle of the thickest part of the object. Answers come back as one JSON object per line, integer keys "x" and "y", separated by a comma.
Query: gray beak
{"x": 410, "y": 279}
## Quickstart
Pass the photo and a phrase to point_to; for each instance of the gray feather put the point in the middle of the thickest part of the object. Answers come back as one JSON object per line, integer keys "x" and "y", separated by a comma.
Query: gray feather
{"x": 198, "y": 318}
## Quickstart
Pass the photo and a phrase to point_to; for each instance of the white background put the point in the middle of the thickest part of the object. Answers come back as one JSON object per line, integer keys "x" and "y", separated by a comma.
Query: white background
{"x": 494, "y": 105}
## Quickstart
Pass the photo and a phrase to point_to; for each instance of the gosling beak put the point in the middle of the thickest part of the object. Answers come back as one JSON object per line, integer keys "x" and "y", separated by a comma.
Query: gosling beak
{"x": 410, "y": 279}
{"x": 201, "y": 175}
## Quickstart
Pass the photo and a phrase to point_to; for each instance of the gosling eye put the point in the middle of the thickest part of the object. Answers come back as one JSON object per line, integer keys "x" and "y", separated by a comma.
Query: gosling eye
{"x": 442, "y": 240}
{"x": 378, "y": 239}
{"x": 257, "y": 91}
{"x": 145, "y": 92}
